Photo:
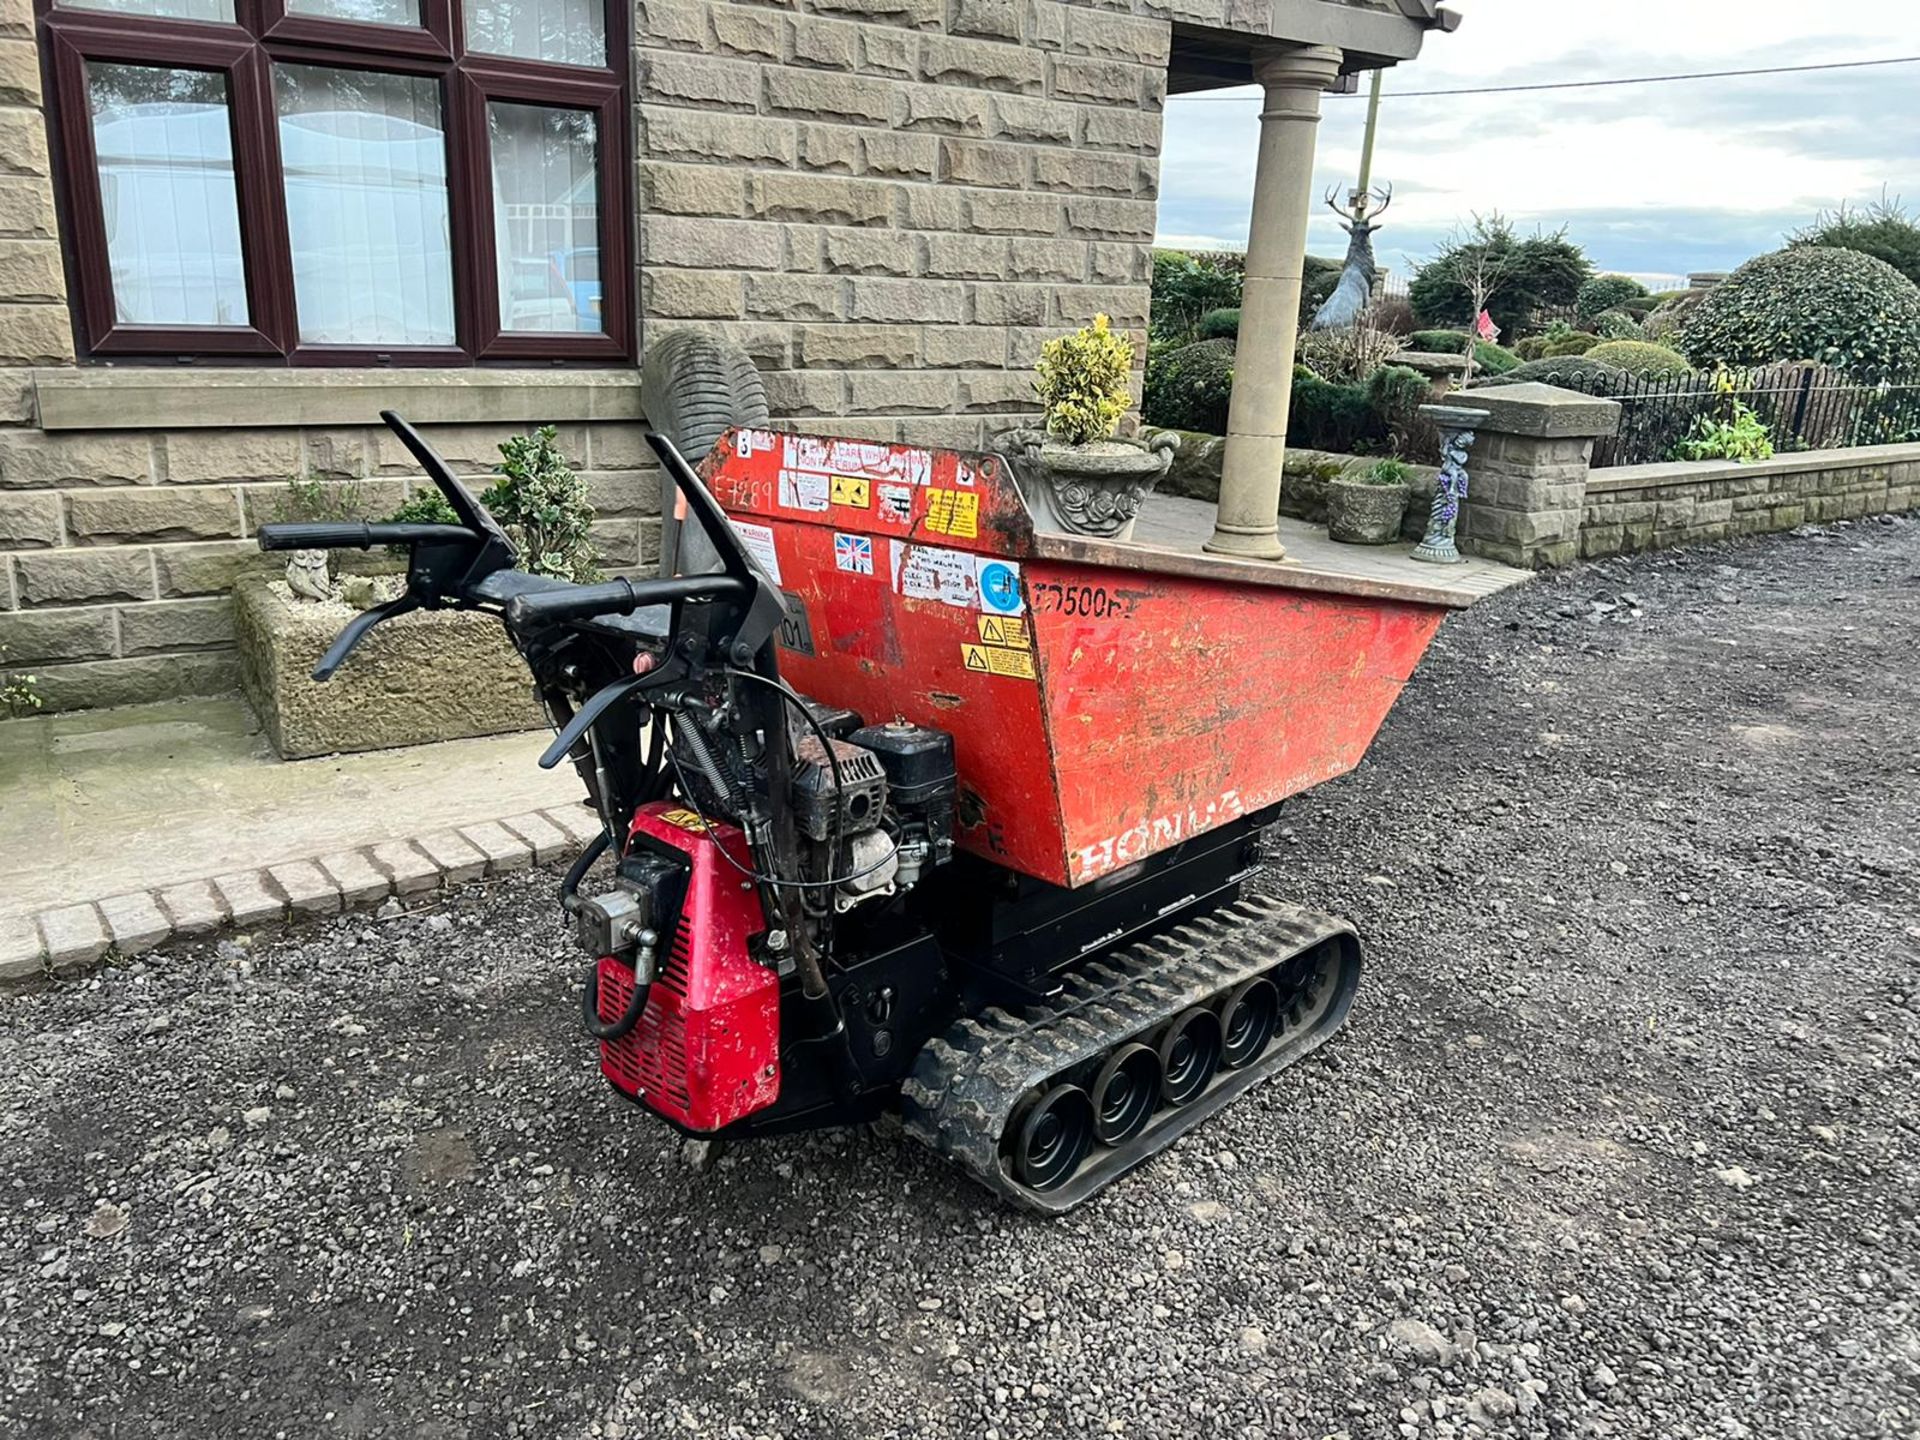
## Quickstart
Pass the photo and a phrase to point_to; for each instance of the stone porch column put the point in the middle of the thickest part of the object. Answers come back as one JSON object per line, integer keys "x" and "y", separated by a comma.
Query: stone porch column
{"x": 1246, "y": 524}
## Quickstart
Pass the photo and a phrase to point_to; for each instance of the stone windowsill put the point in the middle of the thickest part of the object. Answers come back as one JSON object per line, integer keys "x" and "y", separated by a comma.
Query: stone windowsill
{"x": 155, "y": 398}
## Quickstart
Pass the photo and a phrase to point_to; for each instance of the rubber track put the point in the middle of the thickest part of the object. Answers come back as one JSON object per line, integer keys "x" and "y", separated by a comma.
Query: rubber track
{"x": 966, "y": 1084}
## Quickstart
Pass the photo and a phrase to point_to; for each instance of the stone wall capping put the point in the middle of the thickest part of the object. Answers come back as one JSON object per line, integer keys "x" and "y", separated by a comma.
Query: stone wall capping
{"x": 1544, "y": 410}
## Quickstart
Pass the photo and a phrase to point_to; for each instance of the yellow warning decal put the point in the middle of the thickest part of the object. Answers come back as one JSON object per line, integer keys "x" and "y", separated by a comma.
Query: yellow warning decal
{"x": 850, "y": 490}
{"x": 997, "y": 660}
{"x": 685, "y": 819}
{"x": 1003, "y": 630}
{"x": 954, "y": 512}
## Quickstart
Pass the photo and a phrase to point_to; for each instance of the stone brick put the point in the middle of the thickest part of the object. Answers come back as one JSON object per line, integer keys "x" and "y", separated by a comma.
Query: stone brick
{"x": 976, "y": 162}
{"x": 1085, "y": 173}
{"x": 1078, "y": 304}
{"x": 951, "y": 112}
{"x": 768, "y": 343}
{"x": 30, "y": 271}
{"x": 969, "y": 346}
{"x": 357, "y": 879}
{"x": 623, "y": 492}
{"x": 680, "y": 242}
{"x": 26, "y": 202}
{"x": 22, "y": 956}
{"x": 1010, "y": 305}
{"x": 1015, "y": 117}
{"x": 1113, "y": 128}
{"x": 616, "y": 445}
{"x": 1111, "y": 219}
{"x": 1118, "y": 37}
{"x": 858, "y": 347}
{"x": 820, "y": 199}
{"x": 23, "y": 142}
{"x": 134, "y": 923}
{"x": 251, "y": 898}
{"x": 1047, "y": 24}
{"x": 742, "y": 30}
{"x": 186, "y": 512}
{"x": 210, "y": 568}
{"x": 982, "y": 65}
{"x": 1046, "y": 259}
{"x": 806, "y": 392}
{"x": 193, "y": 908}
{"x": 578, "y": 821}
{"x": 696, "y": 135}
{"x": 667, "y": 189}
{"x": 698, "y": 80}
{"x": 505, "y": 851}
{"x": 691, "y": 294}
{"x": 78, "y": 577}
{"x": 18, "y": 400}
{"x": 794, "y": 297}
{"x": 814, "y": 93}
{"x": 831, "y": 149}
{"x": 73, "y": 935}
{"x": 1118, "y": 262}
{"x": 29, "y": 521}
{"x": 904, "y": 392}
{"x": 19, "y": 72}
{"x": 97, "y": 684}
{"x": 546, "y": 839}
{"x": 989, "y": 19}
{"x": 672, "y": 22}
{"x": 831, "y": 44}
{"x": 887, "y": 52}
{"x": 869, "y": 252}
{"x": 933, "y": 207}
{"x": 616, "y": 542}
{"x": 967, "y": 257}
{"x": 407, "y": 868}
{"x": 308, "y": 888}
{"x": 907, "y": 157}
{"x": 996, "y": 390}
{"x": 1007, "y": 213}
{"x": 912, "y": 300}
{"x": 917, "y": 13}
{"x": 31, "y": 637}
{"x": 1099, "y": 81}
{"x": 33, "y": 459}
{"x": 946, "y": 432}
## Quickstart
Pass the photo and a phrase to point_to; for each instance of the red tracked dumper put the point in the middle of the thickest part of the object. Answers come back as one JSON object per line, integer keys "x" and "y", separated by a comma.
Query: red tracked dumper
{"x": 918, "y": 810}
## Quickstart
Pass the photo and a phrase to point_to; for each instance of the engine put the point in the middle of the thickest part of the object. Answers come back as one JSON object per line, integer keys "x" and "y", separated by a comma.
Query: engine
{"x": 881, "y": 796}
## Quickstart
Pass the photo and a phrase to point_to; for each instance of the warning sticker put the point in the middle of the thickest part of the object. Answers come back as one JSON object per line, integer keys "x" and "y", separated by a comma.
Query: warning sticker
{"x": 803, "y": 490}
{"x": 999, "y": 583}
{"x": 926, "y": 572}
{"x": 853, "y": 554}
{"x": 759, "y": 542}
{"x": 997, "y": 660}
{"x": 896, "y": 504}
{"x": 685, "y": 819}
{"x": 850, "y": 490}
{"x": 1003, "y": 630}
{"x": 954, "y": 512}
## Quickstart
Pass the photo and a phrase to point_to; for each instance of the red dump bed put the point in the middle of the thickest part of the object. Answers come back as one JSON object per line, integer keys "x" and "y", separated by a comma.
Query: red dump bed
{"x": 1106, "y": 700}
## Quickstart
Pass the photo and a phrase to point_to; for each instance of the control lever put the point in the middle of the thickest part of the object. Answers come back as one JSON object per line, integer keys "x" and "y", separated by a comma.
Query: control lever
{"x": 355, "y": 630}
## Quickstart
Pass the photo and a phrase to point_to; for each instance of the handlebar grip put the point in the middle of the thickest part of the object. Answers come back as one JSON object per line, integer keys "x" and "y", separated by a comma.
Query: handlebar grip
{"x": 355, "y": 535}
{"x": 618, "y": 597}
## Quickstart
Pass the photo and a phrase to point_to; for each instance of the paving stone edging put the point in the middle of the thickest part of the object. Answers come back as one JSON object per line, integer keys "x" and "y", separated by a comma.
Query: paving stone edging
{"x": 67, "y": 938}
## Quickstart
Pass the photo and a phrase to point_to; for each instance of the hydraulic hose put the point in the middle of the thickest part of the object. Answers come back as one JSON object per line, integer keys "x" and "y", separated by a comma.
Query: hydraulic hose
{"x": 590, "y": 1008}
{"x": 576, "y": 872}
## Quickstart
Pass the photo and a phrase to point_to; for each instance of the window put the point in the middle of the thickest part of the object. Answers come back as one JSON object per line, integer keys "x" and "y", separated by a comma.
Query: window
{"x": 345, "y": 181}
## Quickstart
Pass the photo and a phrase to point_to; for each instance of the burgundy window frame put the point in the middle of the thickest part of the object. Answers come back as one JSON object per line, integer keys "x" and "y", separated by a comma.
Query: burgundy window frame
{"x": 265, "y": 33}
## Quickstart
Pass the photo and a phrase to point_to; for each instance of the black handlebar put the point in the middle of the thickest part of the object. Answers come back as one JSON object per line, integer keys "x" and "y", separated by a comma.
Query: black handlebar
{"x": 620, "y": 597}
{"x": 355, "y": 535}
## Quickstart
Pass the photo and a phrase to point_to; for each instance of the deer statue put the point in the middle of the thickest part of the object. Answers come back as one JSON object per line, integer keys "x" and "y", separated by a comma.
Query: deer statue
{"x": 1348, "y": 302}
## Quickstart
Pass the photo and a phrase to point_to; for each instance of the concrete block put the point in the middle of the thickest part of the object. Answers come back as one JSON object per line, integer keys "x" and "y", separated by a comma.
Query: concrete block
{"x": 308, "y": 888}
{"x": 456, "y": 859}
{"x": 1078, "y": 304}
{"x": 358, "y": 880}
{"x": 250, "y": 898}
{"x": 408, "y": 869}
{"x": 577, "y": 822}
{"x": 617, "y": 542}
{"x": 545, "y": 839}
{"x": 135, "y": 923}
{"x": 504, "y": 851}
{"x": 26, "y": 201}
{"x": 806, "y": 392}
{"x": 193, "y": 908}
{"x": 73, "y": 935}
{"x": 677, "y": 23}
{"x": 22, "y": 954}
{"x": 933, "y": 207}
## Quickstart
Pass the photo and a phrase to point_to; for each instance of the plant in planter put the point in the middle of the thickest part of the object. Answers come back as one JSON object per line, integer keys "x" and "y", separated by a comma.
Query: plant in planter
{"x": 1076, "y": 475}
{"x": 542, "y": 505}
{"x": 1367, "y": 509}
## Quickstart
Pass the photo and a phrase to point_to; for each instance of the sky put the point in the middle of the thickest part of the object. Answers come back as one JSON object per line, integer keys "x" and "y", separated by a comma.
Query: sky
{"x": 1650, "y": 179}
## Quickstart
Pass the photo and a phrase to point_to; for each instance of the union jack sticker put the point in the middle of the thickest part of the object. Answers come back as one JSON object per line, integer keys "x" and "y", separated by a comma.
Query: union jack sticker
{"x": 853, "y": 553}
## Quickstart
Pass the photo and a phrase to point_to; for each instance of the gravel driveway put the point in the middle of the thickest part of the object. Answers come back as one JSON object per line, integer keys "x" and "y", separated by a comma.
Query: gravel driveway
{"x": 1622, "y": 1139}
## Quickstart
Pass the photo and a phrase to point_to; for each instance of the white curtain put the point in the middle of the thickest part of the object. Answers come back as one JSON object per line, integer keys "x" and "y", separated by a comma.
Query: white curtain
{"x": 218, "y": 11}
{"x": 546, "y": 217}
{"x": 566, "y": 32}
{"x": 164, "y": 146}
{"x": 365, "y": 159}
{"x": 368, "y": 12}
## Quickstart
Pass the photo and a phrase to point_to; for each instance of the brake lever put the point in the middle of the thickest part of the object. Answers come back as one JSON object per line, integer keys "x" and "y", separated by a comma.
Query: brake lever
{"x": 356, "y": 630}
{"x": 601, "y": 701}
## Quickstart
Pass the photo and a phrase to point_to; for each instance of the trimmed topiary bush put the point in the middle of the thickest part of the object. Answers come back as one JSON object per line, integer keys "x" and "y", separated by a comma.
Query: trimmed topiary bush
{"x": 1838, "y": 307}
{"x": 1444, "y": 342}
{"x": 1605, "y": 292}
{"x": 1617, "y": 325}
{"x": 1570, "y": 372}
{"x": 1188, "y": 387}
{"x": 1638, "y": 357}
{"x": 1491, "y": 359}
{"x": 1884, "y": 230}
{"x": 1221, "y": 324}
{"x": 1574, "y": 342}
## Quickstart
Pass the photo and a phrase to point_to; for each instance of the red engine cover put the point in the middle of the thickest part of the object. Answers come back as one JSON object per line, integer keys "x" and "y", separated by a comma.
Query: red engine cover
{"x": 707, "y": 1050}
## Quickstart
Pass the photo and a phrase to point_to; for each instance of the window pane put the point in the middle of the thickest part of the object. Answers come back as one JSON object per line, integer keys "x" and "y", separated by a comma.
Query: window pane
{"x": 164, "y": 144}
{"x": 567, "y": 32}
{"x": 216, "y": 10}
{"x": 365, "y": 158}
{"x": 367, "y": 12}
{"x": 546, "y": 217}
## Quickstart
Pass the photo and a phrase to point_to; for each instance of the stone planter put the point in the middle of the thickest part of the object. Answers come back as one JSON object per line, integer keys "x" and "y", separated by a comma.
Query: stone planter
{"x": 1363, "y": 514}
{"x": 431, "y": 675}
{"x": 1093, "y": 489}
